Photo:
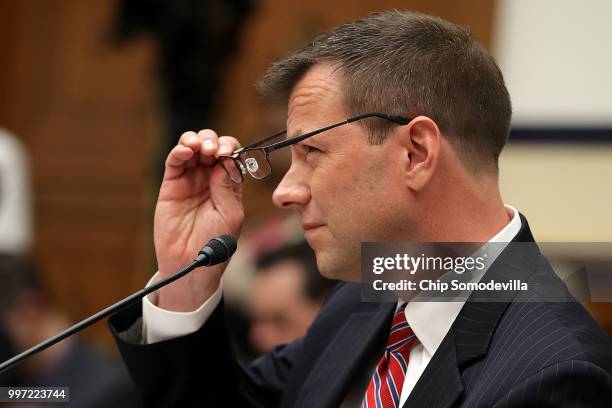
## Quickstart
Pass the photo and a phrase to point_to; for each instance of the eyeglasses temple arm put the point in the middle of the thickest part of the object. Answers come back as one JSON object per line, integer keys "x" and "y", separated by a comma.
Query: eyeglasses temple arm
{"x": 259, "y": 142}
{"x": 400, "y": 120}
{"x": 298, "y": 139}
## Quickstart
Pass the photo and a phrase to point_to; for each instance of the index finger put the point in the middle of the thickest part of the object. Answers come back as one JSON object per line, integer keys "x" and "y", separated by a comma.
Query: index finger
{"x": 176, "y": 161}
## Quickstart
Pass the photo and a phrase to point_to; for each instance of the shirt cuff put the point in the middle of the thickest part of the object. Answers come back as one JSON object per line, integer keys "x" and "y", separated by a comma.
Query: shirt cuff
{"x": 160, "y": 324}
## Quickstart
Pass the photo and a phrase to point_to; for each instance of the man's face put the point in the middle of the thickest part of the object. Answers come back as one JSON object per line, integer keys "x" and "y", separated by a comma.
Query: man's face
{"x": 279, "y": 308}
{"x": 345, "y": 190}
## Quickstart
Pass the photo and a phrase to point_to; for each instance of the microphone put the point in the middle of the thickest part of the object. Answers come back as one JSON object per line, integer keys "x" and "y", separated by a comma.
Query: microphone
{"x": 218, "y": 250}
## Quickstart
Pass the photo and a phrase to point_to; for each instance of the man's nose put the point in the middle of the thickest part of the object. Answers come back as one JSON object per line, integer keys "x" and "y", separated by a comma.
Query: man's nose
{"x": 292, "y": 192}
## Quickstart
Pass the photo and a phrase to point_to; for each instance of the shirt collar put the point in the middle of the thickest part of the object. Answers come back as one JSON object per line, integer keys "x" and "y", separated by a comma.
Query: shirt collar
{"x": 430, "y": 321}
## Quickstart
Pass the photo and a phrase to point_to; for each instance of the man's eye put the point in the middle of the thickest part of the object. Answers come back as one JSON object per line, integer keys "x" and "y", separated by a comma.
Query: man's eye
{"x": 310, "y": 149}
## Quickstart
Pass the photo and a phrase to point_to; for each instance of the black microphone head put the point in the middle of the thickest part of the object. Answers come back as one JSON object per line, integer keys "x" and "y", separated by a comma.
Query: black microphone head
{"x": 220, "y": 249}
{"x": 229, "y": 242}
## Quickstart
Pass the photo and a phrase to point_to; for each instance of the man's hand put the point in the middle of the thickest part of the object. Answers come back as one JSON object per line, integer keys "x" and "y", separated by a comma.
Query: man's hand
{"x": 197, "y": 201}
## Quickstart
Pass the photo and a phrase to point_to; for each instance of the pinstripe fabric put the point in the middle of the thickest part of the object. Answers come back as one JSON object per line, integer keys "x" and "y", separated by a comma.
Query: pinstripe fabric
{"x": 526, "y": 352}
{"x": 536, "y": 358}
{"x": 542, "y": 353}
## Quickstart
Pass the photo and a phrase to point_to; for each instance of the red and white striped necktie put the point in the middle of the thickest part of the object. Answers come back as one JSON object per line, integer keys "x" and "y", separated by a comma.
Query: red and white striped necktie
{"x": 386, "y": 384}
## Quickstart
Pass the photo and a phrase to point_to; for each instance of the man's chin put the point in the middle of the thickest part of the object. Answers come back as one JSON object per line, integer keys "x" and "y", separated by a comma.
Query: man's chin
{"x": 336, "y": 272}
{"x": 335, "y": 262}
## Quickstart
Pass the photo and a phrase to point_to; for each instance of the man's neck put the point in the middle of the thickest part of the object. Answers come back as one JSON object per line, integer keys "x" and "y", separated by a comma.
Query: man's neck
{"x": 475, "y": 216}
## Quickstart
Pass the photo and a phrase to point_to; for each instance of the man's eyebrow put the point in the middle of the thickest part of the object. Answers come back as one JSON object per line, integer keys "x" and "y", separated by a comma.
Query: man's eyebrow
{"x": 294, "y": 133}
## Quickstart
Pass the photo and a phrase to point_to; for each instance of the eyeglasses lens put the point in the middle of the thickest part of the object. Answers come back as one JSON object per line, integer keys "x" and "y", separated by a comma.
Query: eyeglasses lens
{"x": 256, "y": 163}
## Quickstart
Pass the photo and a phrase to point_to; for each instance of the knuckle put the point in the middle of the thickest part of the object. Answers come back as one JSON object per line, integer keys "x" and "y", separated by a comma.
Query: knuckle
{"x": 209, "y": 140}
{"x": 207, "y": 134}
{"x": 173, "y": 153}
{"x": 187, "y": 134}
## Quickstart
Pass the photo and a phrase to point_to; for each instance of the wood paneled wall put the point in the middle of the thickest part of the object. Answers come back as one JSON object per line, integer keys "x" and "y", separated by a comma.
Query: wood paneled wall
{"x": 86, "y": 112}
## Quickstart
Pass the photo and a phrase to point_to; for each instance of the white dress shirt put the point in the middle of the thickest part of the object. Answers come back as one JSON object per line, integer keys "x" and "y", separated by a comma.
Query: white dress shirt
{"x": 430, "y": 321}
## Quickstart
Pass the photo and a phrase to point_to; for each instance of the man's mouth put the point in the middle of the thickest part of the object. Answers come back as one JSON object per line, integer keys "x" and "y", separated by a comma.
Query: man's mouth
{"x": 307, "y": 226}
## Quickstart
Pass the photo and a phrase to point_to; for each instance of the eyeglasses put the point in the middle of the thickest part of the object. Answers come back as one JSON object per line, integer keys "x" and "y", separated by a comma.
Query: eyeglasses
{"x": 254, "y": 157}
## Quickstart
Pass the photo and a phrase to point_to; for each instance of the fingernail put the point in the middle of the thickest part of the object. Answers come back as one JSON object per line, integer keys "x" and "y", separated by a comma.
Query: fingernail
{"x": 208, "y": 144}
{"x": 224, "y": 149}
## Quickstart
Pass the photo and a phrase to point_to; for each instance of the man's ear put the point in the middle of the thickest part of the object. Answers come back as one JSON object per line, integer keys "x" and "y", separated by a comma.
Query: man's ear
{"x": 420, "y": 143}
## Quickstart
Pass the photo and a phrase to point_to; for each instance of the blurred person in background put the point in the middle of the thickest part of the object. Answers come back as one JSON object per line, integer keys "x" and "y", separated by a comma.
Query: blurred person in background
{"x": 27, "y": 318}
{"x": 285, "y": 296}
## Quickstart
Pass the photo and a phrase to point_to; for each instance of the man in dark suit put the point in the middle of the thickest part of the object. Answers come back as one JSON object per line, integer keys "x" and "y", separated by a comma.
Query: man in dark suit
{"x": 418, "y": 162}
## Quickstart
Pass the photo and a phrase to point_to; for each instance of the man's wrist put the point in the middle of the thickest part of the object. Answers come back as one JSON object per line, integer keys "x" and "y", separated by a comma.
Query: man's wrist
{"x": 161, "y": 324}
{"x": 187, "y": 294}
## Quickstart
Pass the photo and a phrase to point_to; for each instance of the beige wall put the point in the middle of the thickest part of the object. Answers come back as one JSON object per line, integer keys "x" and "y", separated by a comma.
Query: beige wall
{"x": 555, "y": 59}
{"x": 555, "y": 55}
{"x": 565, "y": 190}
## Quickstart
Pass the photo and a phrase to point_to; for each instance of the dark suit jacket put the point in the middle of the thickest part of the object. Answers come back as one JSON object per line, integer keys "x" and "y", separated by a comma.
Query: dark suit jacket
{"x": 520, "y": 352}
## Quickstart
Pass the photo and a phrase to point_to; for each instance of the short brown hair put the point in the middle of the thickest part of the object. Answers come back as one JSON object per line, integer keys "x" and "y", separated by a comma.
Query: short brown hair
{"x": 410, "y": 64}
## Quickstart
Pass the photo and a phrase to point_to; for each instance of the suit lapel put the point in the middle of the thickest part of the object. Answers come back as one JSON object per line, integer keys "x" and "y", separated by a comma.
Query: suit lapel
{"x": 440, "y": 384}
{"x": 349, "y": 351}
{"x": 478, "y": 318}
